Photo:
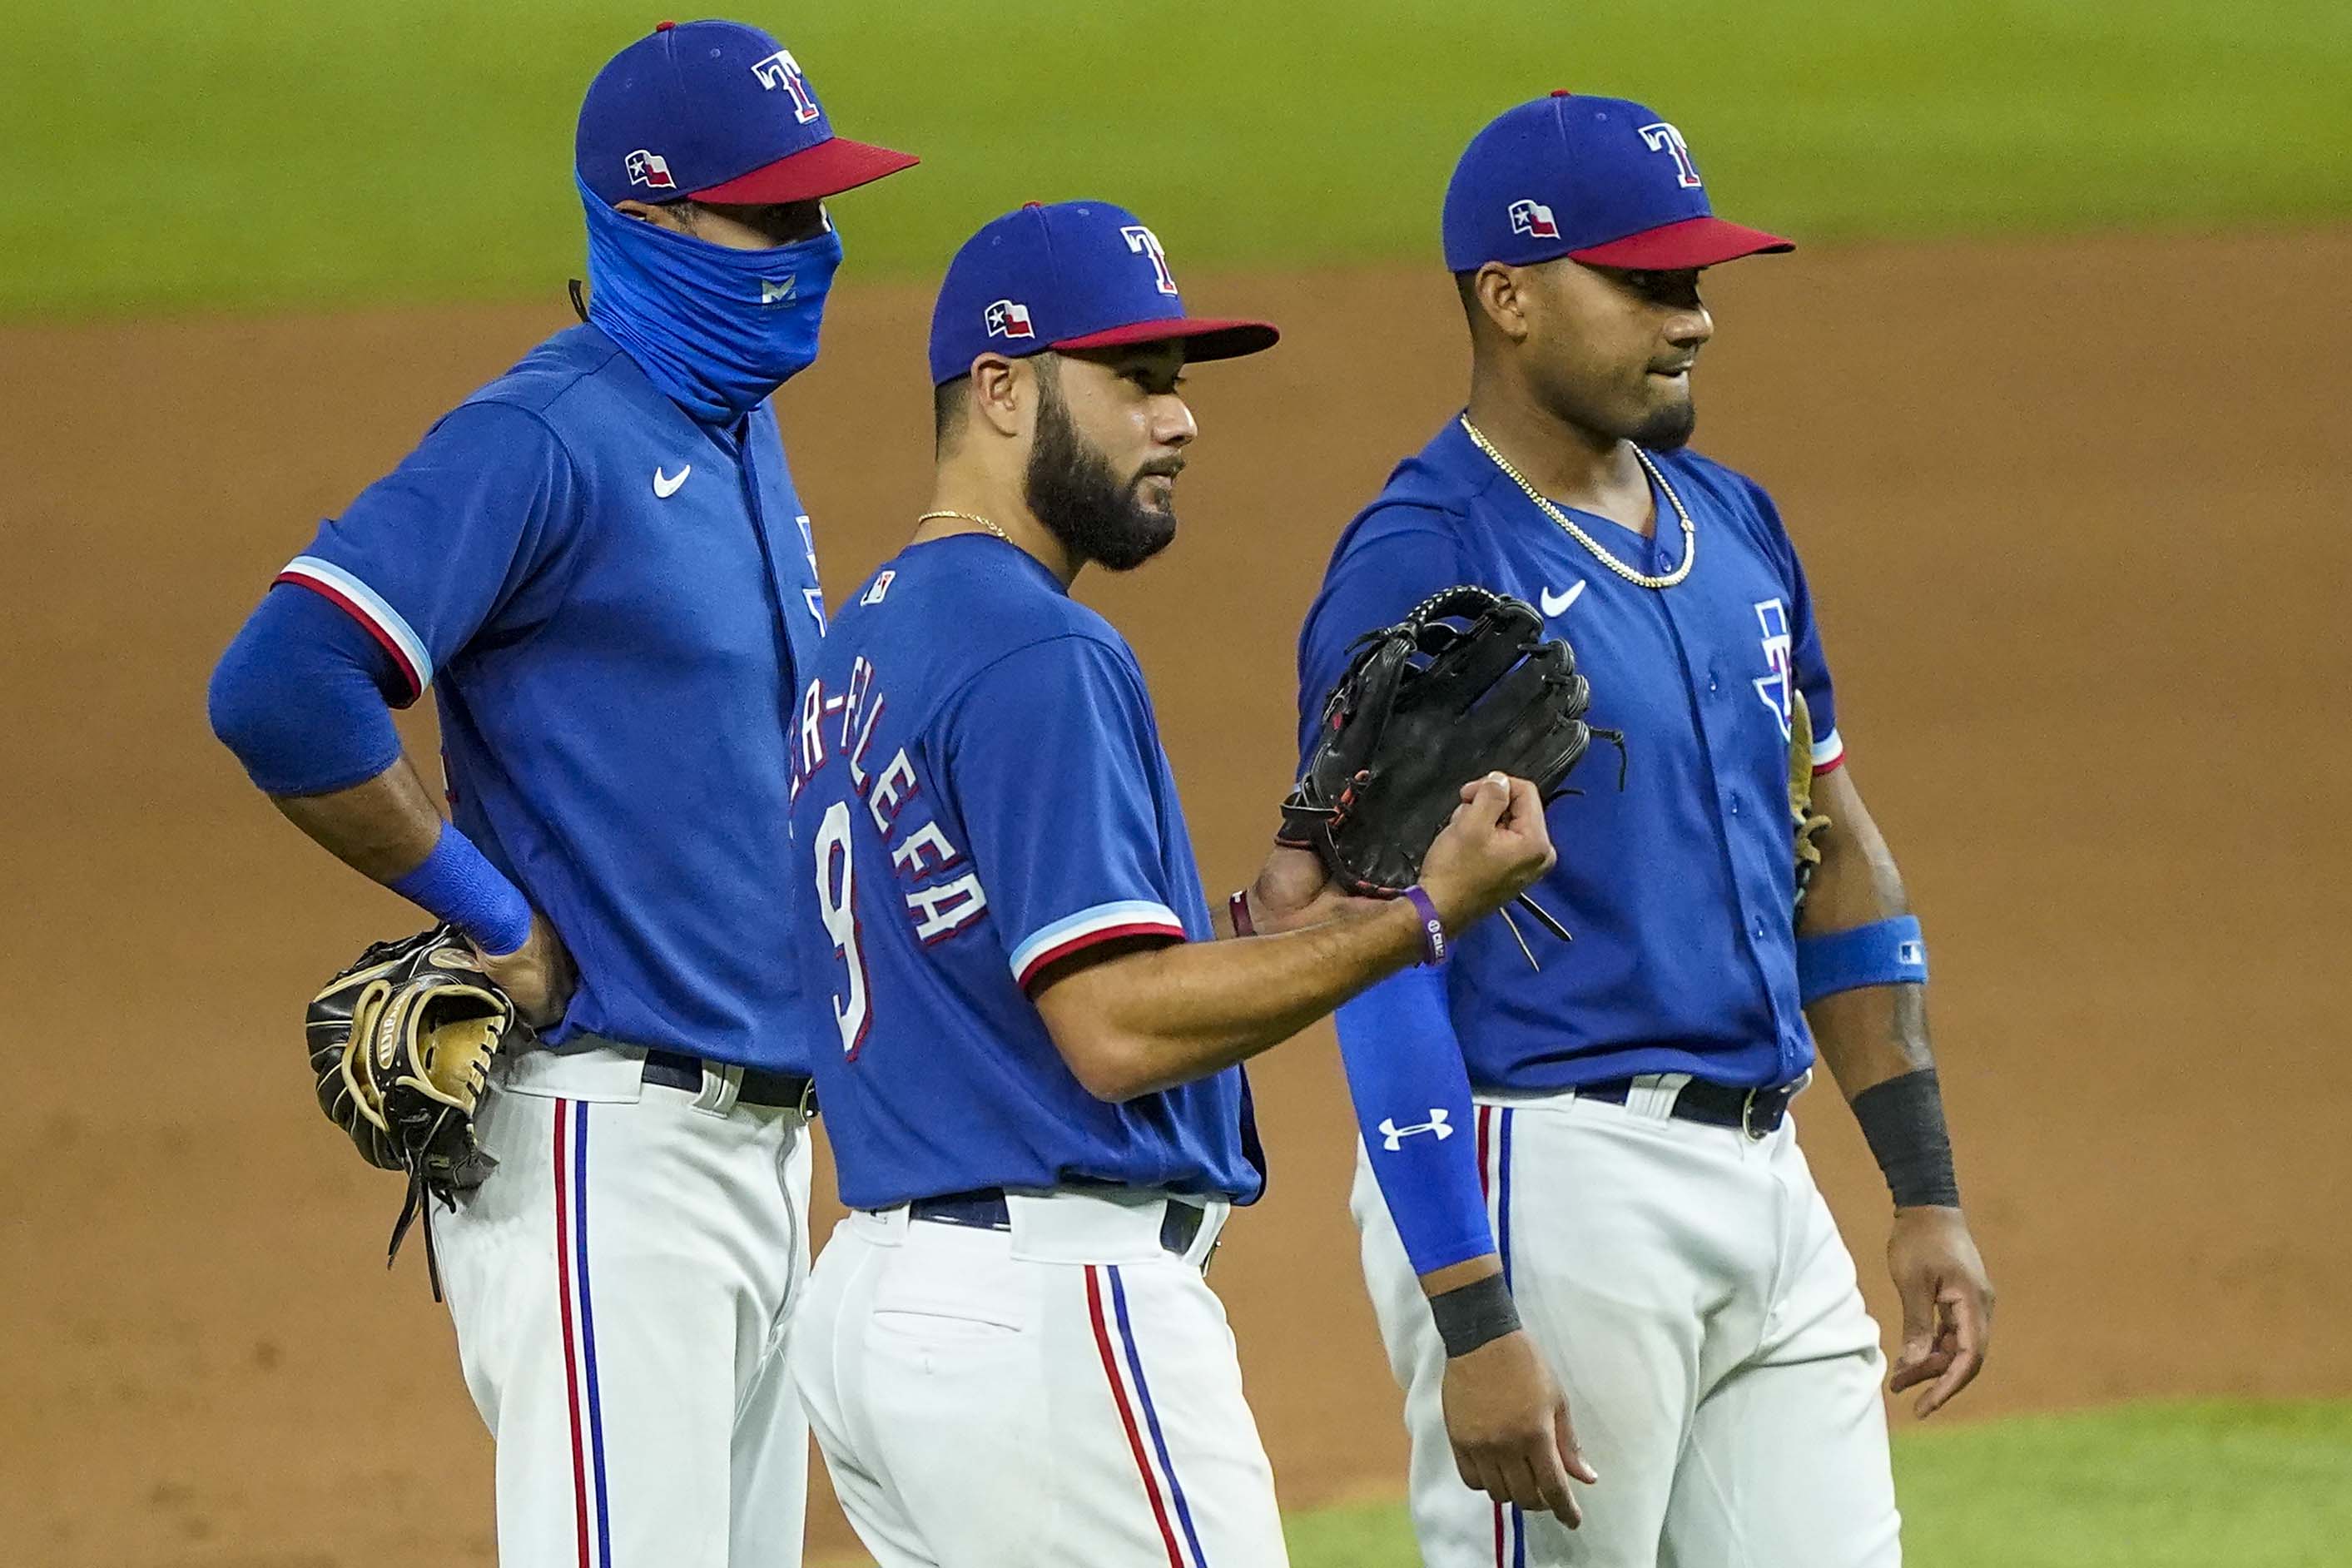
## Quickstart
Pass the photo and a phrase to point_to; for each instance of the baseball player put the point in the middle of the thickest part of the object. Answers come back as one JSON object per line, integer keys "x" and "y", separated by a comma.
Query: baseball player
{"x": 1629, "y": 1220}
{"x": 1007, "y": 1351}
{"x": 600, "y": 563}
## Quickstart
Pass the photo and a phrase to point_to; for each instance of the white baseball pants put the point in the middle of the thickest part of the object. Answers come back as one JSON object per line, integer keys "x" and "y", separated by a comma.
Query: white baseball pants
{"x": 1692, "y": 1295}
{"x": 620, "y": 1288}
{"x": 1061, "y": 1395}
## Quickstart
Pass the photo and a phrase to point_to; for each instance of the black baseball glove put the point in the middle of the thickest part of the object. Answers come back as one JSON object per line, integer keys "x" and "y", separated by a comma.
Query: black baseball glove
{"x": 1466, "y": 685}
{"x": 401, "y": 1043}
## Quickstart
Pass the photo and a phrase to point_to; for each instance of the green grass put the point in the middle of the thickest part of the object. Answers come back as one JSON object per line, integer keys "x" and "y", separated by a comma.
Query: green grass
{"x": 169, "y": 154}
{"x": 2146, "y": 1486}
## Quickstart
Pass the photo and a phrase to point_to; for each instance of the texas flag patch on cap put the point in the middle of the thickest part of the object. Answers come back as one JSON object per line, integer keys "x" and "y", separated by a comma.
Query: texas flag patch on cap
{"x": 650, "y": 169}
{"x": 1009, "y": 318}
{"x": 1533, "y": 218}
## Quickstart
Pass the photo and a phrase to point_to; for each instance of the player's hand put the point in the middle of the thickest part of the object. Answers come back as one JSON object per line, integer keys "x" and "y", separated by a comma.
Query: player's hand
{"x": 1947, "y": 1304}
{"x": 1492, "y": 850}
{"x": 1294, "y": 890}
{"x": 1508, "y": 1424}
{"x": 538, "y": 977}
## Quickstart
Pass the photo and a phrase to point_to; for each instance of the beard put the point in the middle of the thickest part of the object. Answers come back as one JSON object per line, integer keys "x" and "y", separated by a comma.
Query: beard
{"x": 1666, "y": 429}
{"x": 1071, "y": 488}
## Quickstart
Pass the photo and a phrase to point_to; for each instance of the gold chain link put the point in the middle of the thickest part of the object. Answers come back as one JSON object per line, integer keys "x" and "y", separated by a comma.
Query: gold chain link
{"x": 1639, "y": 579}
{"x": 964, "y": 517}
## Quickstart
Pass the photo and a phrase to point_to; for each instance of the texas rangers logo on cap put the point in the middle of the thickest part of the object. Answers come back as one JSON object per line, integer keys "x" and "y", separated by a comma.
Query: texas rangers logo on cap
{"x": 1070, "y": 277}
{"x": 780, "y": 69}
{"x": 650, "y": 169}
{"x": 1660, "y": 137}
{"x": 1143, "y": 242}
{"x": 1007, "y": 319}
{"x": 1533, "y": 218}
{"x": 733, "y": 113}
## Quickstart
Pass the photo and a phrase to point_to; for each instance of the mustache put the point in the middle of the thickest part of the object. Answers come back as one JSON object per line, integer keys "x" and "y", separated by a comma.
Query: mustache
{"x": 1160, "y": 468}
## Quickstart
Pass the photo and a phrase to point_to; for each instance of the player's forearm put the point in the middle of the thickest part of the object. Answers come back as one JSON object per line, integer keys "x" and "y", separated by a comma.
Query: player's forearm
{"x": 1148, "y": 1021}
{"x": 1872, "y": 1028}
{"x": 388, "y": 830}
{"x": 383, "y": 829}
{"x": 1872, "y": 1033}
{"x": 1410, "y": 1085}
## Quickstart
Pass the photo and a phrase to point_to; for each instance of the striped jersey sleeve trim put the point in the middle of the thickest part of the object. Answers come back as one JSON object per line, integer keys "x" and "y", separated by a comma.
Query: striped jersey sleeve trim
{"x": 369, "y": 608}
{"x": 1829, "y": 752}
{"x": 1104, "y": 922}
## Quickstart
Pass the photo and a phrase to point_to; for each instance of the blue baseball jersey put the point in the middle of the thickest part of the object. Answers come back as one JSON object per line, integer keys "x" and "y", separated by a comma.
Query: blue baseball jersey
{"x": 1678, "y": 887}
{"x": 610, "y": 601}
{"x": 978, "y": 790}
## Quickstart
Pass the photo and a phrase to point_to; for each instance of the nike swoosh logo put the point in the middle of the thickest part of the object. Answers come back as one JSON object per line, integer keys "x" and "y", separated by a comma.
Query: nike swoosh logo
{"x": 1553, "y": 605}
{"x": 665, "y": 487}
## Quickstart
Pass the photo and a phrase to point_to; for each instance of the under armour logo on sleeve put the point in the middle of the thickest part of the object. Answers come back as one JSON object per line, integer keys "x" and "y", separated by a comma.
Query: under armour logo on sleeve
{"x": 1393, "y": 1137}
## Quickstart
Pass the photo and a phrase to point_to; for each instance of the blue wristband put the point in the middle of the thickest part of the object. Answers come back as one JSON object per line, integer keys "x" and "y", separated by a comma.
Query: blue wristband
{"x": 1884, "y": 952}
{"x": 456, "y": 884}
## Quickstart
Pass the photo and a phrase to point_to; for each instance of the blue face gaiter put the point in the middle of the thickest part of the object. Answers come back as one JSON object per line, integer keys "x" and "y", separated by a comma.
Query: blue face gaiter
{"x": 717, "y": 330}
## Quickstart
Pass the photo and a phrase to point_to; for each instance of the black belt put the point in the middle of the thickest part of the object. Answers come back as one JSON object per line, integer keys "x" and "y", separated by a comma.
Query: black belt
{"x": 987, "y": 1210}
{"x": 761, "y": 1086}
{"x": 1757, "y": 1112}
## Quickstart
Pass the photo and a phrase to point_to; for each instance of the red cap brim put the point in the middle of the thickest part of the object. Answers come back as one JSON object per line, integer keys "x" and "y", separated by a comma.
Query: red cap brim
{"x": 1694, "y": 242}
{"x": 826, "y": 169}
{"x": 1204, "y": 337}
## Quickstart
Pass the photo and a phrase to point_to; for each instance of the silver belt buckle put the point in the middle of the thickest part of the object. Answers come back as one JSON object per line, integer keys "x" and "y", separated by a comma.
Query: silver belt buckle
{"x": 1748, "y": 1114}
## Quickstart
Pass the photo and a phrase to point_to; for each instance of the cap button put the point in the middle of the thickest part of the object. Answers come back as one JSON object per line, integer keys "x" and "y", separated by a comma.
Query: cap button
{"x": 1027, "y": 206}
{"x": 1562, "y": 92}
{"x": 664, "y": 27}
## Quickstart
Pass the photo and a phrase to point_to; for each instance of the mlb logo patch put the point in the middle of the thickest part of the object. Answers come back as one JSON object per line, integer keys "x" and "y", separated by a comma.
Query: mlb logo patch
{"x": 1533, "y": 219}
{"x": 649, "y": 169}
{"x": 1007, "y": 319}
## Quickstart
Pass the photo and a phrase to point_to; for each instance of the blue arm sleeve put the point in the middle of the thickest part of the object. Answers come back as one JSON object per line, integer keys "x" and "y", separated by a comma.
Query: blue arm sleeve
{"x": 304, "y": 696}
{"x": 1413, "y": 1101}
{"x": 1404, "y": 1059}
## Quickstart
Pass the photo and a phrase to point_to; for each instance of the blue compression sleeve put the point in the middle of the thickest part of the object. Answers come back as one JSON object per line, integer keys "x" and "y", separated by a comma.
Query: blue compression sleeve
{"x": 457, "y": 884}
{"x": 1412, "y": 1102}
{"x": 1884, "y": 952}
{"x": 302, "y": 696}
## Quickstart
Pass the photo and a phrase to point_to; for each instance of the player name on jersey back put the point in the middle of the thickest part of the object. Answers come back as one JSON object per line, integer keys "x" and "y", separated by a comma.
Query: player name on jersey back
{"x": 978, "y": 794}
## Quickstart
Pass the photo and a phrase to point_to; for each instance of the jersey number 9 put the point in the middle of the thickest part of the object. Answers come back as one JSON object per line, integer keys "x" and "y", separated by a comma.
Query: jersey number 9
{"x": 836, "y": 897}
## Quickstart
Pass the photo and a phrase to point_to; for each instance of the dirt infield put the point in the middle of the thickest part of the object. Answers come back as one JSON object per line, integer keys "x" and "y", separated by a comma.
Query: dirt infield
{"x": 2076, "y": 516}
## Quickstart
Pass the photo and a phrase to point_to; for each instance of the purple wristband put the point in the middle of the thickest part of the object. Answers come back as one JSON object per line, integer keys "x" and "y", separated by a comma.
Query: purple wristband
{"x": 456, "y": 884}
{"x": 1433, "y": 929}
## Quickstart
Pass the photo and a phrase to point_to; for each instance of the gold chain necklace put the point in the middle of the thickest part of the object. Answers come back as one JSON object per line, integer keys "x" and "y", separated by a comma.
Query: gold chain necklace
{"x": 1639, "y": 579}
{"x": 964, "y": 517}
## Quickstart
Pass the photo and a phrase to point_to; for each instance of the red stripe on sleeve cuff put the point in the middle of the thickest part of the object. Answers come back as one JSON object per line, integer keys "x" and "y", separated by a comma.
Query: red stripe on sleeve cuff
{"x": 399, "y": 655}
{"x": 1108, "y": 933}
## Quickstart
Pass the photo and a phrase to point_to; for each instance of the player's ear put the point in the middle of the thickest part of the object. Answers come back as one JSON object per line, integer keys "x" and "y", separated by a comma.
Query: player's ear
{"x": 677, "y": 216}
{"x": 1496, "y": 293}
{"x": 999, "y": 392}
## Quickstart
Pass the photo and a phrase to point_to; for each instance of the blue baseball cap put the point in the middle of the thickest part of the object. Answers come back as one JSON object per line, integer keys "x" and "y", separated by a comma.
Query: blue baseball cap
{"x": 1603, "y": 180}
{"x": 1075, "y": 275}
{"x": 719, "y": 111}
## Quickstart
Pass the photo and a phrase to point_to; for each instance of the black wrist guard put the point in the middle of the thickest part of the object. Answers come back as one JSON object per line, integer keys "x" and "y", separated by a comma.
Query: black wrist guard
{"x": 1475, "y": 1314}
{"x": 1903, "y": 1118}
